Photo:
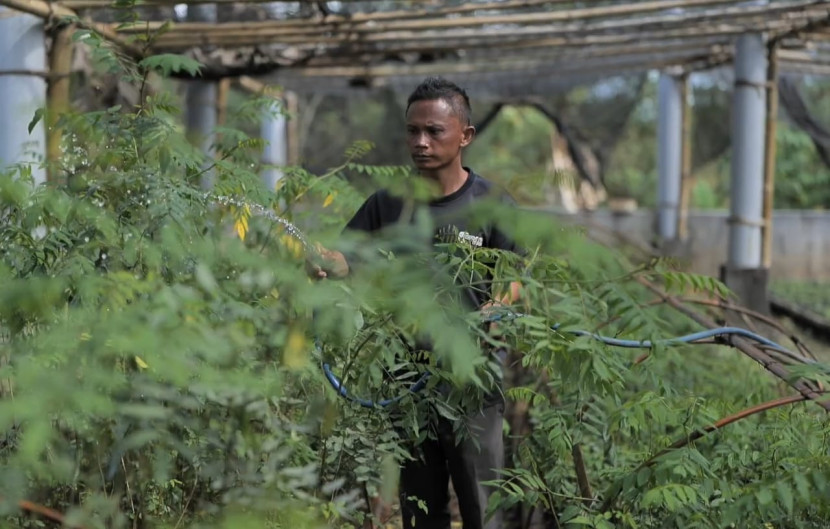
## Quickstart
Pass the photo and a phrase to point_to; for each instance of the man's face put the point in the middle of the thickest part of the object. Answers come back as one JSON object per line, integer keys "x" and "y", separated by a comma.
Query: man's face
{"x": 435, "y": 135}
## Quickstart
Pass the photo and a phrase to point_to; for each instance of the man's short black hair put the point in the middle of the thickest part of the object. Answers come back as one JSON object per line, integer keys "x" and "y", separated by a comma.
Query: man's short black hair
{"x": 433, "y": 88}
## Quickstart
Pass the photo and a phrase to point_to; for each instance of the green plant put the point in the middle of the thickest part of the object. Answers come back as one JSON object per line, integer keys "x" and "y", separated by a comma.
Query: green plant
{"x": 161, "y": 368}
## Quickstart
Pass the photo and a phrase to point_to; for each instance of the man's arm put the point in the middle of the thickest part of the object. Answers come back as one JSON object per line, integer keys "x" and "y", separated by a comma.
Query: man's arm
{"x": 511, "y": 296}
{"x": 327, "y": 263}
{"x": 331, "y": 263}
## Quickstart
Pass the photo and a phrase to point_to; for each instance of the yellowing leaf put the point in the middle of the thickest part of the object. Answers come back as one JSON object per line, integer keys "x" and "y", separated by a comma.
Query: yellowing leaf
{"x": 294, "y": 246}
{"x": 241, "y": 222}
{"x": 241, "y": 226}
{"x": 140, "y": 362}
{"x": 329, "y": 199}
{"x": 295, "y": 354}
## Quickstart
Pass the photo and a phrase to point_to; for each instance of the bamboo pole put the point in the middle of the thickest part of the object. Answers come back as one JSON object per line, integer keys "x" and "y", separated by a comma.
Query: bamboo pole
{"x": 222, "y": 101}
{"x": 688, "y": 62}
{"x": 570, "y": 61}
{"x": 292, "y": 107}
{"x": 562, "y": 66}
{"x": 769, "y": 154}
{"x": 50, "y": 10}
{"x": 100, "y": 4}
{"x": 392, "y": 15}
{"x": 685, "y": 162}
{"x": 255, "y": 86}
{"x": 290, "y": 104}
{"x": 39, "y": 8}
{"x": 319, "y": 27}
{"x": 749, "y": 16}
{"x": 797, "y": 56}
{"x": 583, "y": 50}
{"x": 804, "y": 69}
{"x": 57, "y": 97}
{"x": 260, "y": 32}
{"x": 547, "y": 48}
{"x": 511, "y": 42}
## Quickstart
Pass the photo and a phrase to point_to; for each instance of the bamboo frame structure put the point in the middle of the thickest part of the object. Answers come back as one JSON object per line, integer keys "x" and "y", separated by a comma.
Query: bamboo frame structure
{"x": 549, "y": 36}
{"x": 518, "y": 37}
{"x": 547, "y": 24}
{"x": 439, "y": 21}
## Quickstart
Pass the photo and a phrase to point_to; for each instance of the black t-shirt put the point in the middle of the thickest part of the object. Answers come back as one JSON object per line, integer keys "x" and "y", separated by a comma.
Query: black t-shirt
{"x": 452, "y": 222}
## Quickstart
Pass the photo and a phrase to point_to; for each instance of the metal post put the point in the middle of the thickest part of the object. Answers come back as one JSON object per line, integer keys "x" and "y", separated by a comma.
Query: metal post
{"x": 201, "y": 100}
{"x": 669, "y": 149}
{"x": 748, "y": 130}
{"x": 743, "y": 272}
{"x": 275, "y": 153}
{"x": 22, "y": 50}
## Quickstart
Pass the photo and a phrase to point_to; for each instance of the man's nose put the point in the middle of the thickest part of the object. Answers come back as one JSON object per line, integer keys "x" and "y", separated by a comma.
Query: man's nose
{"x": 421, "y": 140}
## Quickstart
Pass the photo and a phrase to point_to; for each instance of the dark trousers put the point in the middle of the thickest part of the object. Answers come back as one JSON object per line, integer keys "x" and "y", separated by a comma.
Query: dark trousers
{"x": 478, "y": 458}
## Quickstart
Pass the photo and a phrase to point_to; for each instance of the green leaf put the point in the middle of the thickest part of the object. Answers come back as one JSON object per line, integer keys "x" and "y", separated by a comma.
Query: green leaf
{"x": 167, "y": 63}
{"x": 36, "y": 119}
{"x": 785, "y": 495}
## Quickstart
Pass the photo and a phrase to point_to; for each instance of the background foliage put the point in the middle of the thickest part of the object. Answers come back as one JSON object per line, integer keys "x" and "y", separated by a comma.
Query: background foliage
{"x": 516, "y": 148}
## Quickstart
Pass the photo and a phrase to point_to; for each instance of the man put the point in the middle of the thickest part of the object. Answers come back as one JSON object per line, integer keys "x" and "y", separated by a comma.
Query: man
{"x": 438, "y": 128}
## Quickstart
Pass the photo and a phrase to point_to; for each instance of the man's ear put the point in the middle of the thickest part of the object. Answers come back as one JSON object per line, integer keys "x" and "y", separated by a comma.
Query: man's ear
{"x": 468, "y": 135}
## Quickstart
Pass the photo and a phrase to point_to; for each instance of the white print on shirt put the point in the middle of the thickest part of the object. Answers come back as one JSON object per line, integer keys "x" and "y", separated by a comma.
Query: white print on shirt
{"x": 474, "y": 240}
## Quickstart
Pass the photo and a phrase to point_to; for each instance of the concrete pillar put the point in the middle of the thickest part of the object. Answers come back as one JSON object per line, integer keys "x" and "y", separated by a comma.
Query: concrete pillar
{"x": 669, "y": 153}
{"x": 201, "y": 100}
{"x": 274, "y": 132}
{"x": 743, "y": 272}
{"x": 748, "y": 130}
{"x": 22, "y": 49}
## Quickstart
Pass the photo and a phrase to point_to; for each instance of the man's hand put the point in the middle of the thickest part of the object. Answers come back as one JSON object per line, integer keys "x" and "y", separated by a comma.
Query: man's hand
{"x": 327, "y": 263}
{"x": 489, "y": 309}
{"x": 501, "y": 302}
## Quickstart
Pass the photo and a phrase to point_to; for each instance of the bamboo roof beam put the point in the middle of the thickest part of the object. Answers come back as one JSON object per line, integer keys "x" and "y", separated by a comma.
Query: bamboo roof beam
{"x": 494, "y": 84}
{"x": 103, "y": 4}
{"x": 552, "y": 66}
{"x": 748, "y": 18}
{"x": 583, "y": 52}
{"x": 805, "y": 69}
{"x": 261, "y": 33}
{"x": 804, "y": 57}
{"x": 507, "y": 45}
{"x": 319, "y": 26}
{"x": 397, "y": 14}
{"x": 566, "y": 72}
{"x": 505, "y": 40}
{"x": 255, "y": 86}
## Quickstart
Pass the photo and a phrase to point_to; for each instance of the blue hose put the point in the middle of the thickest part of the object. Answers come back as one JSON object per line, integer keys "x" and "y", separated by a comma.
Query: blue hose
{"x": 614, "y": 342}
{"x": 422, "y": 382}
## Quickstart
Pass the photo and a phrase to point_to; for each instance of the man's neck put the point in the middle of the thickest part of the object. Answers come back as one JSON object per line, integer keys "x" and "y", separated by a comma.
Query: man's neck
{"x": 450, "y": 179}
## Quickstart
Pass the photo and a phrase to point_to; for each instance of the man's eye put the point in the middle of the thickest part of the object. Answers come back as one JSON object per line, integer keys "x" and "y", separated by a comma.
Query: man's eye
{"x": 435, "y": 132}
